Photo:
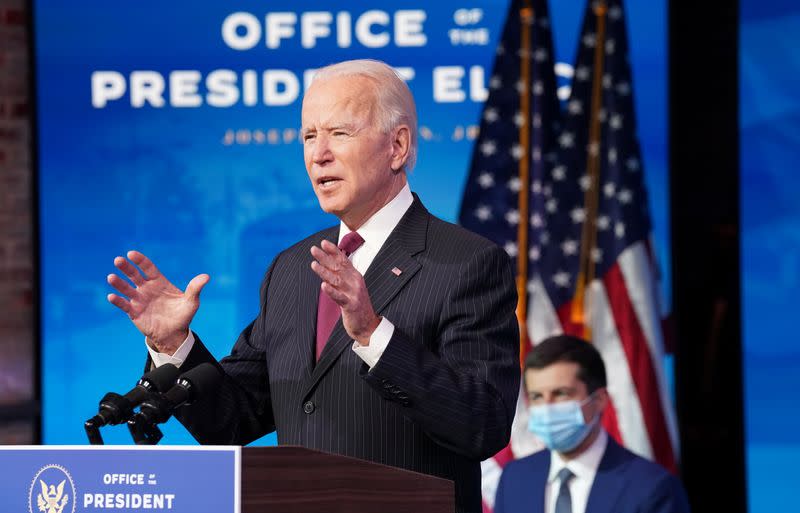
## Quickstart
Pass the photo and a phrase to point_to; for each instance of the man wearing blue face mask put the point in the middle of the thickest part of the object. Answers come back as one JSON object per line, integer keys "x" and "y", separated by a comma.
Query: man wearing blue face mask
{"x": 585, "y": 470}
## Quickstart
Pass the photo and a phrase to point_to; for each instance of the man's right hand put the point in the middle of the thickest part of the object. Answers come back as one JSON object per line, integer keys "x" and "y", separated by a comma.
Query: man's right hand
{"x": 160, "y": 310}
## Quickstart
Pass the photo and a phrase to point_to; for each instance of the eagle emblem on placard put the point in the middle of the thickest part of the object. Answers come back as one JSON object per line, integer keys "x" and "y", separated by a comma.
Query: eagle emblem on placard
{"x": 52, "y": 499}
{"x": 52, "y": 491}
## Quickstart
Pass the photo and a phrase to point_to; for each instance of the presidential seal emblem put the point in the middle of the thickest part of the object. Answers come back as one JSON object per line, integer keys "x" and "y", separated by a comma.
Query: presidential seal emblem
{"x": 49, "y": 492}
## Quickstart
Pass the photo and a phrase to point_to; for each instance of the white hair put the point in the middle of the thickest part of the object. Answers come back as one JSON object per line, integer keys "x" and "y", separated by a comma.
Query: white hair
{"x": 394, "y": 100}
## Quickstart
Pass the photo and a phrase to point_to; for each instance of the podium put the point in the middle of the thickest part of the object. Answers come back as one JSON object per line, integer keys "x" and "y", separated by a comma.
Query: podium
{"x": 295, "y": 479}
{"x": 213, "y": 479}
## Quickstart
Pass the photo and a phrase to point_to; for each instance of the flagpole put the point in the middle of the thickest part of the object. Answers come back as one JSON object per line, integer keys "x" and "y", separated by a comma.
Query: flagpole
{"x": 526, "y": 18}
{"x": 581, "y": 312}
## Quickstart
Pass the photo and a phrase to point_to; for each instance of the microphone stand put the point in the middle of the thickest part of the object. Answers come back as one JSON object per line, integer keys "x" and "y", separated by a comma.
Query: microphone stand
{"x": 144, "y": 424}
{"x": 143, "y": 431}
{"x": 116, "y": 409}
{"x": 92, "y": 428}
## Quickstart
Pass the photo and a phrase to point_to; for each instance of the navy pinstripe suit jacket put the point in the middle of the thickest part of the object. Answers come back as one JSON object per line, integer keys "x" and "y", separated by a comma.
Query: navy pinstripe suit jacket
{"x": 443, "y": 395}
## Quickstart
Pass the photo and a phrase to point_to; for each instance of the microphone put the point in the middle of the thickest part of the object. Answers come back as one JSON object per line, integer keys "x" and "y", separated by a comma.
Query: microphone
{"x": 116, "y": 409}
{"x": 158, "y": 408}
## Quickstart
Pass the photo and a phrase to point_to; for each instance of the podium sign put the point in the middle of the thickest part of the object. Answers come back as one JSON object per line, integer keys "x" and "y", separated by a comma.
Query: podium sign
{"x": 71, "y": 479}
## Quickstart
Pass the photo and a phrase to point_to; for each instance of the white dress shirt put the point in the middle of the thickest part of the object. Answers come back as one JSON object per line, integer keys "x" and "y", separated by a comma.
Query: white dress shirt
{"x": 374, "y": 232}
{"x": 584, "y": 468}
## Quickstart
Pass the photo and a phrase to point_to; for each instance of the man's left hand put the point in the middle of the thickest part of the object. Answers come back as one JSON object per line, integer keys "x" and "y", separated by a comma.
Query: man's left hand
{"x": 345, "y": 285}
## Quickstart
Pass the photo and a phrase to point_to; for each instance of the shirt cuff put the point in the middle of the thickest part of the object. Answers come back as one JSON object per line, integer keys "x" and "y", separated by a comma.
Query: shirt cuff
{"x": 377, "y": 343}
{"x": 180, "y": 355}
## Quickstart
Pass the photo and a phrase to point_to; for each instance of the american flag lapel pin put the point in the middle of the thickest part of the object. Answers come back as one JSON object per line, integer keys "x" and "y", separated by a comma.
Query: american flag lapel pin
{"x": 396, "y": 271}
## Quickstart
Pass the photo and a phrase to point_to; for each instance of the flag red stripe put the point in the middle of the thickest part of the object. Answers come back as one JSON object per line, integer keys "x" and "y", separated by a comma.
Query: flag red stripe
{"x": 640, "y": 363}
{"x": 610, "y": 422}
{"x": 504, "y": 456}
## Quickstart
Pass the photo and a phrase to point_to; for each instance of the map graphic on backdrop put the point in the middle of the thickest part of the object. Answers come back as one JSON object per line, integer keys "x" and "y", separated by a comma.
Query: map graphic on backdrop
{"x": 172, "y": 129}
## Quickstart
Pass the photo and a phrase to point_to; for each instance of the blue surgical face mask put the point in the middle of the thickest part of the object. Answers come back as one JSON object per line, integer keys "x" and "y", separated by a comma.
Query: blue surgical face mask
{"x": 560, "y": 426}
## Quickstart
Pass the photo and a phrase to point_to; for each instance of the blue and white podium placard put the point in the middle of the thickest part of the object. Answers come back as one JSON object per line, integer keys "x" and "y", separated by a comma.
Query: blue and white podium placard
{"x": 71, "y": 479}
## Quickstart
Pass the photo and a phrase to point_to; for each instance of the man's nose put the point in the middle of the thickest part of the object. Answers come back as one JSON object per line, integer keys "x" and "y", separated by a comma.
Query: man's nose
{"x": 322, "y": 150}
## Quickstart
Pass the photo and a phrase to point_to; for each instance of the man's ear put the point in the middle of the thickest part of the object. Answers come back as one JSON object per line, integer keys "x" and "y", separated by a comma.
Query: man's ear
{"x": 401, "y": 145}
{"x": 601, "y": 399}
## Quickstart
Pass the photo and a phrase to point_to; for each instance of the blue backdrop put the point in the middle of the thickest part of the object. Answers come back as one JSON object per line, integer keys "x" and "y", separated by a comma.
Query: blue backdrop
{"x": 770, "y": 218}
{"x": 221, "y": 189}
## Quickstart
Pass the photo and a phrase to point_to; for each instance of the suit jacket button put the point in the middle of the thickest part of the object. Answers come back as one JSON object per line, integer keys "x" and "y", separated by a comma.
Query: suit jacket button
{"x": 308, "y": 407}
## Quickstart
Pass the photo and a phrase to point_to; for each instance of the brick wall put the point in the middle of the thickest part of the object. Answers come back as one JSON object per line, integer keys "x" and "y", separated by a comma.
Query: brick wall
{"x": 17, "y": 294}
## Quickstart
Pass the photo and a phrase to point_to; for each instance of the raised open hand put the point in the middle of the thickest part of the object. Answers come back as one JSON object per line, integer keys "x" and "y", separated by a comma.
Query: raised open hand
{"x": 160, "y": 310}
{"x": 346, "y": 287}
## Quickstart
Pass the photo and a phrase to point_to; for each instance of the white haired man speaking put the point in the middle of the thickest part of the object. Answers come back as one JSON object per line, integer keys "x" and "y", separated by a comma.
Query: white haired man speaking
{"x": 390, "y": 337}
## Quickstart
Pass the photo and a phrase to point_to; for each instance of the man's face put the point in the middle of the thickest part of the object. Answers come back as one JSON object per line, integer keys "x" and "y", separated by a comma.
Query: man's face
{"x": 347, "y": 156}
{"x": 559, "y": 382}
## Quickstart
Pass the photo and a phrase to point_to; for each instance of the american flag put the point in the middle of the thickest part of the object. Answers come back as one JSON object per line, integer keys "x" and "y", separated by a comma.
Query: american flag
{"x": 585, "y": 225}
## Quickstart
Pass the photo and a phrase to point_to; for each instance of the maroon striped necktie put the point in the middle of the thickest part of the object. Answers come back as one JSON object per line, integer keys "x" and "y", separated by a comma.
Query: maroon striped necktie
{"x": 328, "y": 311}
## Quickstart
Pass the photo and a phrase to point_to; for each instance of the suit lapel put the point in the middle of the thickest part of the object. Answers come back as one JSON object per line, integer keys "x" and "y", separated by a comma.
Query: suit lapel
{"x": 308, "y": 285}
{"x": 382, "y": 283}
{"x": 405, "y": 241}
{"x": 609, "y": 482}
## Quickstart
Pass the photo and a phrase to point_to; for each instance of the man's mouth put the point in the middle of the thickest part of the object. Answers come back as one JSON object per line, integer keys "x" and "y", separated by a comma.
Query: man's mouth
{"x": 325, "y": 182}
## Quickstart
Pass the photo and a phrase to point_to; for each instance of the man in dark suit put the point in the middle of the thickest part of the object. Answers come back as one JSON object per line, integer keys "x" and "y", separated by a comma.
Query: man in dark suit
{"x": 398, "y": 345}
{"x": 585, "y": 470}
